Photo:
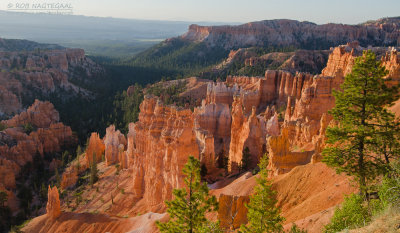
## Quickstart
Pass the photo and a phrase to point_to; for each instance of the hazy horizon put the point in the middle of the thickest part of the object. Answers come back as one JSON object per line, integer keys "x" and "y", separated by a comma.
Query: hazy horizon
{"x": 320, "y": 12}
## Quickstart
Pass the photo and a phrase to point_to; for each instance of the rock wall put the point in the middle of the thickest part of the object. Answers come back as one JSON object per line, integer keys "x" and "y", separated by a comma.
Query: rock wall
{"x": 159, "y": 145}
{"x": 284, "y": 33}
{"x": 232, "y": 211}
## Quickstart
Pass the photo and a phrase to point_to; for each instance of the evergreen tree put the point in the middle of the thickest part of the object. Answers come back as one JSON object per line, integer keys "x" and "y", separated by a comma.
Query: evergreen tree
{"x": 364, "y": 138}
{"x": 3, "y": 198}
{"x": 64, "y": 158}
{"x": 246, "y": 159}
{"x": 93, "y": 171}
{"x": 78, "y": 151}
{"x": 57, "y": 175}
{"x": 187, "y": 210}
{"x": 43, "y": 192}
{"x": 263, "y": 215}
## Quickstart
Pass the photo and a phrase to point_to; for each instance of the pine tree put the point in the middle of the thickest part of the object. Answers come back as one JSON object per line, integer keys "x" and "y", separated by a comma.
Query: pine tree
{"x": 43, "y": 192}
{"x": 246, "y": 159}
{"x": 366, "y": 131}
{"x": 78, "y": 151}
{"x": 263, "y": 215}
{"x": 93, "y": 171}
{"x": 187, "y": 210}
{"x": 58, "y": 178}
{"x": 3, "y": 198}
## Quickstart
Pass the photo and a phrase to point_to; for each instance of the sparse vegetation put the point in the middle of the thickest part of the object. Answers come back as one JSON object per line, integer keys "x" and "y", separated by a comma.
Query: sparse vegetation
{"x": 245, "y": 163}
{"x": 366, "y": 135}
{"x": 93, "y": 171}
{"x": 263, "y": 214}
{"x": 352, "y": 214}
{"x": 188, "y": 208}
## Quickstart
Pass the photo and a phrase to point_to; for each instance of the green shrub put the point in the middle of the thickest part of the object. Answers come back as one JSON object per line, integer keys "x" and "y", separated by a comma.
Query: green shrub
{"x": 389, "y": 191}
{"x": 352, "y": 214}
{"x": 296, "y": 229}
{"x": 28, "y": 128}
{"x": 2, "y": 126}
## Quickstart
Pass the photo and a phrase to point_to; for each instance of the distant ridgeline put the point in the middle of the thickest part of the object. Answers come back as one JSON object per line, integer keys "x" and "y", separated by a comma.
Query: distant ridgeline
{"x": 13, "y": 45}
{"x": 202, "y": 47}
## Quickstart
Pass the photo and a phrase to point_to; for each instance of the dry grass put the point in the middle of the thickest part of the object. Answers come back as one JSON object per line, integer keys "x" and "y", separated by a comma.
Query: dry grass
{"x": 386, "y": 222}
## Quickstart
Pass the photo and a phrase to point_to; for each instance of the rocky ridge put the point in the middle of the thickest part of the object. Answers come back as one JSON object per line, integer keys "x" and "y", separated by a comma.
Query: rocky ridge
{"x": 284, "y": 33}
{"x": 26, "y": 75}
{"x": 18, "y": 147}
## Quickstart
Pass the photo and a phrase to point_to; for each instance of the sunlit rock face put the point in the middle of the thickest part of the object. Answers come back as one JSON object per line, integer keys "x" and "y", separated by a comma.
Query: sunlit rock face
{"x": 159, "y": 145}
{"x": 53, "y": 208}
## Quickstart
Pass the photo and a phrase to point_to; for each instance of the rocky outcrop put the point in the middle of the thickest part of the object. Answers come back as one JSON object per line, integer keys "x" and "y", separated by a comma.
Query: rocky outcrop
{"x": 17, "y": 147}
{"x": 114, "y": 142}
{"x": 391, "y": 60}
{"x": 212, "y": 126}
{"x": 32, "y": 74}
{"x": 232, "y": 211}
{"x": 158, "y": 147}
{"x": 284, "y": 33}
{"x": 53, "y": 208}
{"x": 95, "y": 148}
{"x": 39, "y": 115}
{"x": 281, "y": 158}
{"x": 245, "y": 133}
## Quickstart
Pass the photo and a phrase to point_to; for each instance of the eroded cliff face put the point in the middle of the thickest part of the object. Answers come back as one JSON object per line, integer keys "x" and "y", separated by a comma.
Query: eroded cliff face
{"x": 158, "y": 147}
{"x": 285, "y": 32}
{"x": 24, "y": 75}
{"x": 17, "y": 147}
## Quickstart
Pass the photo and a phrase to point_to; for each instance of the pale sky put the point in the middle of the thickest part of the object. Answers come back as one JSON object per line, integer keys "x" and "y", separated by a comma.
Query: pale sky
{"x": 318, "y": 11}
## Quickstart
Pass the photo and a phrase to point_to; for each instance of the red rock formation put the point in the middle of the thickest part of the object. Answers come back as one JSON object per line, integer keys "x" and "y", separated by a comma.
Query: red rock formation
{"x": 17, "y": 148}
{"x": 340, "y": 62}
{"x": 281, "y": 158}
{"x": 245, "y": 132}
{"x": 112, "y": 141}
{"x": 232, "y": 211}
{"x": 40, "y": 115}
{"x": 25, "y": 73}
{"x": 212, "y": 126}
{"x": 391, "y": 60}
{"x": 158, "y": 147}
{"x": 96, "y": 146}
{"x": 53, "y": 208}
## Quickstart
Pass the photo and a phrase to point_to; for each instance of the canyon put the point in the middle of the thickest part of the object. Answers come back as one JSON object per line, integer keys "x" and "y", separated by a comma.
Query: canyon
{"x": 283, "y": 115}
